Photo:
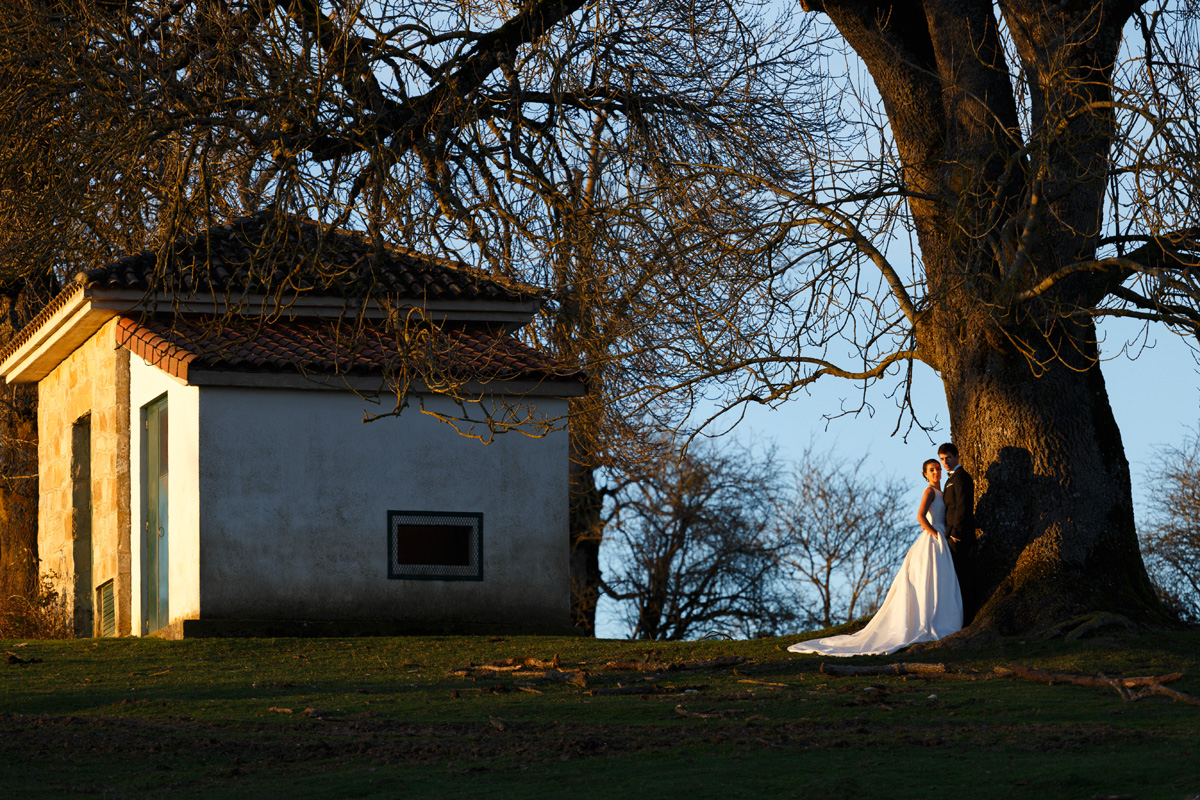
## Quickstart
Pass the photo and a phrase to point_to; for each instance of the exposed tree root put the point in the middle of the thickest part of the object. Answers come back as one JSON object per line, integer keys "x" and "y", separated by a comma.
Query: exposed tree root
{"x": 1087, "y": 625}
{"x": 967, "y": 637}
{"x": 981, "y": 633}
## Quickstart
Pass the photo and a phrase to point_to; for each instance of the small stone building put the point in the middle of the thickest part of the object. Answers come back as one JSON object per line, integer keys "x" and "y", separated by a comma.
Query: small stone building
{"x": 204, "y": 473}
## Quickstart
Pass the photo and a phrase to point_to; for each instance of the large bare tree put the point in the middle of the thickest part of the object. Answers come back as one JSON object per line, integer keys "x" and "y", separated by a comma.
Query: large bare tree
{"x": 1039, "y": 161}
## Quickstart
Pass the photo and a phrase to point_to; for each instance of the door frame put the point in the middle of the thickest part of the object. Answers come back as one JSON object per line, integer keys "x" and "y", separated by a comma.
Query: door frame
{"x": 155, "y": 532}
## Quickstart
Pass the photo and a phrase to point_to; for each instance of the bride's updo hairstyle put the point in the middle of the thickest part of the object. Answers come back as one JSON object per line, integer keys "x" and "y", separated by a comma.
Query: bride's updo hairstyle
{"x": 925, "y": 466}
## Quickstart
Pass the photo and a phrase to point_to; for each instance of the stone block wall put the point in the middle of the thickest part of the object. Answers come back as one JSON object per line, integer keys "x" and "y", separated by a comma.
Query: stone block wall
{"x": 89, "y": 388}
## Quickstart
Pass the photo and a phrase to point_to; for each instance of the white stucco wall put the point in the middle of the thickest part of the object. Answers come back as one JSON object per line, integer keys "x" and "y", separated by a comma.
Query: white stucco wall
{"x": 295, "y": 491}
{"x": 147, "y": 384}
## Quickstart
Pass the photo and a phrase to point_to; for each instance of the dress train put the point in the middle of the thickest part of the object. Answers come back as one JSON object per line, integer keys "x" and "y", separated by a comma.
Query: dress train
{"x": 923, "y": 604}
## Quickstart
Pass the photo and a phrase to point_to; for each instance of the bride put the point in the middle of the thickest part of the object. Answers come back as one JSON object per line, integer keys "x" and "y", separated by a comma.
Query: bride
{"x": 924, "y": 602}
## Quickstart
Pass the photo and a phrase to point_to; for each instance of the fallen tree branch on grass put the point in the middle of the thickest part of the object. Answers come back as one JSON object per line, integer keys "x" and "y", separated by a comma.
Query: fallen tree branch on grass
{"x": 674, "y": 666}
{"x": 1081, "y": 679}
{"x": 848, "y": 671}
{"x": 558, "y": 676}
{"x": 644, "y": 690}
{"x": 767, "y": 684}
{"x": 627, "y": 690}
{"x": 531, "y": 668}
{"x": 1148, "y": 685}
{"x": 514, "y": 664}
{"x": 706, "y": 714}
{"x": 1166, "y": 691}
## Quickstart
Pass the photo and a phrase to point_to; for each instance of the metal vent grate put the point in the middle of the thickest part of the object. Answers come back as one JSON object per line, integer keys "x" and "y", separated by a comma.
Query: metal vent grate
{"x": 435, "y": 545}
{"x": 107, "y": 609}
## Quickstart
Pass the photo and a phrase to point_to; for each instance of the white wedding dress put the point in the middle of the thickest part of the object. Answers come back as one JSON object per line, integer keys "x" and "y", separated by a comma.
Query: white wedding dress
{"x": 923, "y": 604}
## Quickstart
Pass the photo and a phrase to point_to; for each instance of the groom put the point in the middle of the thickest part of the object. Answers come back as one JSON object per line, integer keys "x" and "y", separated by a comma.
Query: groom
{"x": 959, "y": 496}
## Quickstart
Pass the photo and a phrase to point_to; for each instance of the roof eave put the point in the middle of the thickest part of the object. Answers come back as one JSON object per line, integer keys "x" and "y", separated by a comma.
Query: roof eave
{"x": 84, "y": 309}
{"x": 55, "y": 338}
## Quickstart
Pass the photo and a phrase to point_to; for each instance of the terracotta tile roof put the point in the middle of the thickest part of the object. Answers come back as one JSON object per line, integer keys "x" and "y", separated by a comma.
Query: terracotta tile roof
{"x": 265, "y": 252}
{"x": 323, "y": 348}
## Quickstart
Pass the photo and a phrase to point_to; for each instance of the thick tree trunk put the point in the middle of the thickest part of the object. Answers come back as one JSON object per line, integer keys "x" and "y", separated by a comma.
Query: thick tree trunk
{"x": 1053, "y": 499}
{"x": 1004, "y": 203}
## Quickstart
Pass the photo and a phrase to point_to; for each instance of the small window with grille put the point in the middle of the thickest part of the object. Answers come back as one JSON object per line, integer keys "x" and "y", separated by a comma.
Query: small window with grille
{"x": 435, "y": 545}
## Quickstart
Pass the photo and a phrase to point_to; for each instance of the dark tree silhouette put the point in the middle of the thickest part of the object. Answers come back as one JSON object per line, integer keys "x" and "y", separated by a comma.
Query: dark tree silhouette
{"x": 693, "y": 545}
{"x": 842, "y": 533}
{"x": 1170, "y": 532}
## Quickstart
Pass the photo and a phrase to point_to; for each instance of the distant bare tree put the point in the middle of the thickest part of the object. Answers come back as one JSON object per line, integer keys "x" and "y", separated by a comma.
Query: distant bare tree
{"x": 1171, "y": 535}
{"x": 690, "y": 545}
{"x": 843, "y": 533}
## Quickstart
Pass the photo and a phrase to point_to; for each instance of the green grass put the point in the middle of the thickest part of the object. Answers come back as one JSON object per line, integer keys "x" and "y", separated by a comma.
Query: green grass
{"x": 397, "y": 717}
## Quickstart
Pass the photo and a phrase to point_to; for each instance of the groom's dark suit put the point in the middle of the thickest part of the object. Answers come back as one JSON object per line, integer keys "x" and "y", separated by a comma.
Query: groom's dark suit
{"x": 959, "y": 496}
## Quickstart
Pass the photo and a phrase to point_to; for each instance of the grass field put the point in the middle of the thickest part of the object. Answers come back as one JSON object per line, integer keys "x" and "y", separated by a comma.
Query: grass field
{"x": 418, "y": 717}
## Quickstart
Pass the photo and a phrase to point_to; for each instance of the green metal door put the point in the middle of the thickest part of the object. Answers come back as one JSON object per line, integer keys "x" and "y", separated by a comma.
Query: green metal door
{"x": 155, "y": 483}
